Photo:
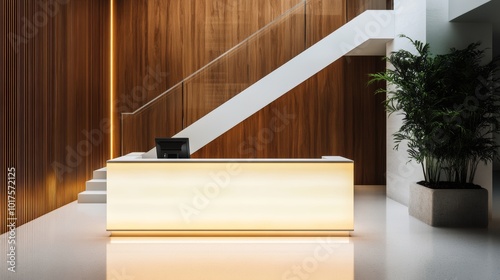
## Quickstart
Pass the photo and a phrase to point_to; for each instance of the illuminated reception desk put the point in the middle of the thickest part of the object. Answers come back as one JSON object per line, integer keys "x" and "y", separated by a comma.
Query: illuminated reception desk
{"x": 228, "y": 258}
{"x": 229, "y": 196}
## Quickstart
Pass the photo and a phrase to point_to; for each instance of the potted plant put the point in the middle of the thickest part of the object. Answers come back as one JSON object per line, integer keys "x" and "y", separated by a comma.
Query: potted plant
{"x": 451, "y": 108}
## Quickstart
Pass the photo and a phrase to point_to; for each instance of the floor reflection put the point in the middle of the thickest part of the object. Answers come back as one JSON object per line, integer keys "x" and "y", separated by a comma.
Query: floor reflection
{"x": 387, "y": 243}
{"x": 229, "y": 258}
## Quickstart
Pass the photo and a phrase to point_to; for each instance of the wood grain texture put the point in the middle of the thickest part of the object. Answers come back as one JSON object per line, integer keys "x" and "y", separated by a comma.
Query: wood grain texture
{"x": 159, "y": 43}
{"x": 365, "y": 120}
{"x": 8, "y": 125}
{"x": 214, "y": 26}
{"x": 162, "y": 119}
{"x": 323, "y": 17}
{"x": 389, "y": 4}
{"x": 55, "y": 102}
{"x": 323, "y": 112}
{"x": 354, "y": 8}
{"x": 300, "y": 124}
{"x": 332, "y": 113}
{"x": 57, "y": 88}
{"x": 280, "y": 42}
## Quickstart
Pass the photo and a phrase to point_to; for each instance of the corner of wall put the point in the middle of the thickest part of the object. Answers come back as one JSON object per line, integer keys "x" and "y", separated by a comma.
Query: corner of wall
{"x": 459, "y": 7}
{"x": 410, "y": 21}
{"x": 428, "y": 21}
{"x": 443, "y": 35}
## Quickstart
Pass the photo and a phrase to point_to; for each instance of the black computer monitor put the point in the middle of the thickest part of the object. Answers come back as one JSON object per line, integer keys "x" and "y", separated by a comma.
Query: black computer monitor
{"x": 172, "y": 148}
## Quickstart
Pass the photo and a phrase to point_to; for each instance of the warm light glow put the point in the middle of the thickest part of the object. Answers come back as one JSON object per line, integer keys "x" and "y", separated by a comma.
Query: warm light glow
{"x": 52, "y": 189}
{"x": 208, "y": 198}
{"x": 225, "y": 233}
{"x": 315, "y": 258}
{"x": 219, "y": 240}
{"x": 111, "y": 80}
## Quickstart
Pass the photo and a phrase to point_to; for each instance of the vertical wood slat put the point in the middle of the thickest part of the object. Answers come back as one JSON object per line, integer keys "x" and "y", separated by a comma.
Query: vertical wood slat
{"x": 8, "y": 76}
{"x": 55, "y": 92}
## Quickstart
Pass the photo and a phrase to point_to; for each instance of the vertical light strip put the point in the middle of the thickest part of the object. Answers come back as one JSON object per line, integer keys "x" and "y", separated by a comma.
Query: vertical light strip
{"x": 111, "y": 80}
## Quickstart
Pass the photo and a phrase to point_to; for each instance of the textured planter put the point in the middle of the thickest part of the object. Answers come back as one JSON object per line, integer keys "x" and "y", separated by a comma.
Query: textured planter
{"x": 449, "y": 207}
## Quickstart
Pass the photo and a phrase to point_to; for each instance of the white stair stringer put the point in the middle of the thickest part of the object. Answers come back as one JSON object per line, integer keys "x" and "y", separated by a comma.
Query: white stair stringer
{"x": 367, "y": 34}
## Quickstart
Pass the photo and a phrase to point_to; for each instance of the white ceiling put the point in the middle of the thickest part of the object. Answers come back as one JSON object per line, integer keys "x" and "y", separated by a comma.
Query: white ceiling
{"x": 489, "y": 12}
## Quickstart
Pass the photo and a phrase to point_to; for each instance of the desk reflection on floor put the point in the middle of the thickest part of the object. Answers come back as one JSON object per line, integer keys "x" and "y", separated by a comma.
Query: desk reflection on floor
{"x": 230, "y": 258}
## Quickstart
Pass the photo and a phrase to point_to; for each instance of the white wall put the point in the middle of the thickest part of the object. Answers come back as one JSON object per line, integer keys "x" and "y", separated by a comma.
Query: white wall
{"x": 443, "y": 35}
{"x": 459, "y": 7}
{"x": 410, "y": 21}
{"x": 428, "y": 21}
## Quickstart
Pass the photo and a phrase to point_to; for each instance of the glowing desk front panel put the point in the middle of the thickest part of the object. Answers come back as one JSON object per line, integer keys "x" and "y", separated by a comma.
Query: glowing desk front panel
{"x": 230, "y": 195}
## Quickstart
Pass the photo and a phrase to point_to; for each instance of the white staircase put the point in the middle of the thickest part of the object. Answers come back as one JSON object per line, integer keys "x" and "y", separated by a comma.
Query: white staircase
{"x": 95, "y": 189}
{"x": 367, "y": 34}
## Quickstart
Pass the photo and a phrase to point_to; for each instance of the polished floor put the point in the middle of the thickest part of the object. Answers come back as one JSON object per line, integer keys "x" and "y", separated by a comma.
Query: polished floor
{"x": 71, "y": 243}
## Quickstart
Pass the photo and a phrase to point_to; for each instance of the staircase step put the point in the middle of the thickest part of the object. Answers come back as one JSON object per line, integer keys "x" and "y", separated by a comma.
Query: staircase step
{"x": 92, "y": 197}
{"x": 96, "y": 185}
{"x": 100, "y": 173}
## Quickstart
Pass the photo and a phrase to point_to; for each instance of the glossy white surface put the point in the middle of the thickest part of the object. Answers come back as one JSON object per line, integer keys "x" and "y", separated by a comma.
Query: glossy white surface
{"x": 72, "y": 243}
{"x": 138, "y": 157}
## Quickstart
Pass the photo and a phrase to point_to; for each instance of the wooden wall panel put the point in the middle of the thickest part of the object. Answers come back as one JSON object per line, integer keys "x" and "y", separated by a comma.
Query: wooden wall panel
{"x": 366, "y": 119}
{"x": 8, "y": 126}
{"x": 244, "y": 66}
{"x": 324, "y": 109}
{"x": 389, "y": 4}
{"x": 144, "y": 49}
{"x": 300, "y": 124}
{"x": 280, "y": 42}
{"x": 306, "y": 122}
{"x": 57, "y": 85}
{"x": 146, "y": 54}
{"x": 215, "y": 85}
{"x": 162, "y": 119}
{"x": 334, "y": 112}
{"x": 214, "y": 26}
{"x": 323, "y": 17}
{"x": 354, "y": 8}
{"x": 159, "y": 43}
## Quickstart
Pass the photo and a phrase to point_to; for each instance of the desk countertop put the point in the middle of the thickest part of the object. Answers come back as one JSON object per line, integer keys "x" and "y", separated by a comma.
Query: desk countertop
{"x": 137, "y": 158}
